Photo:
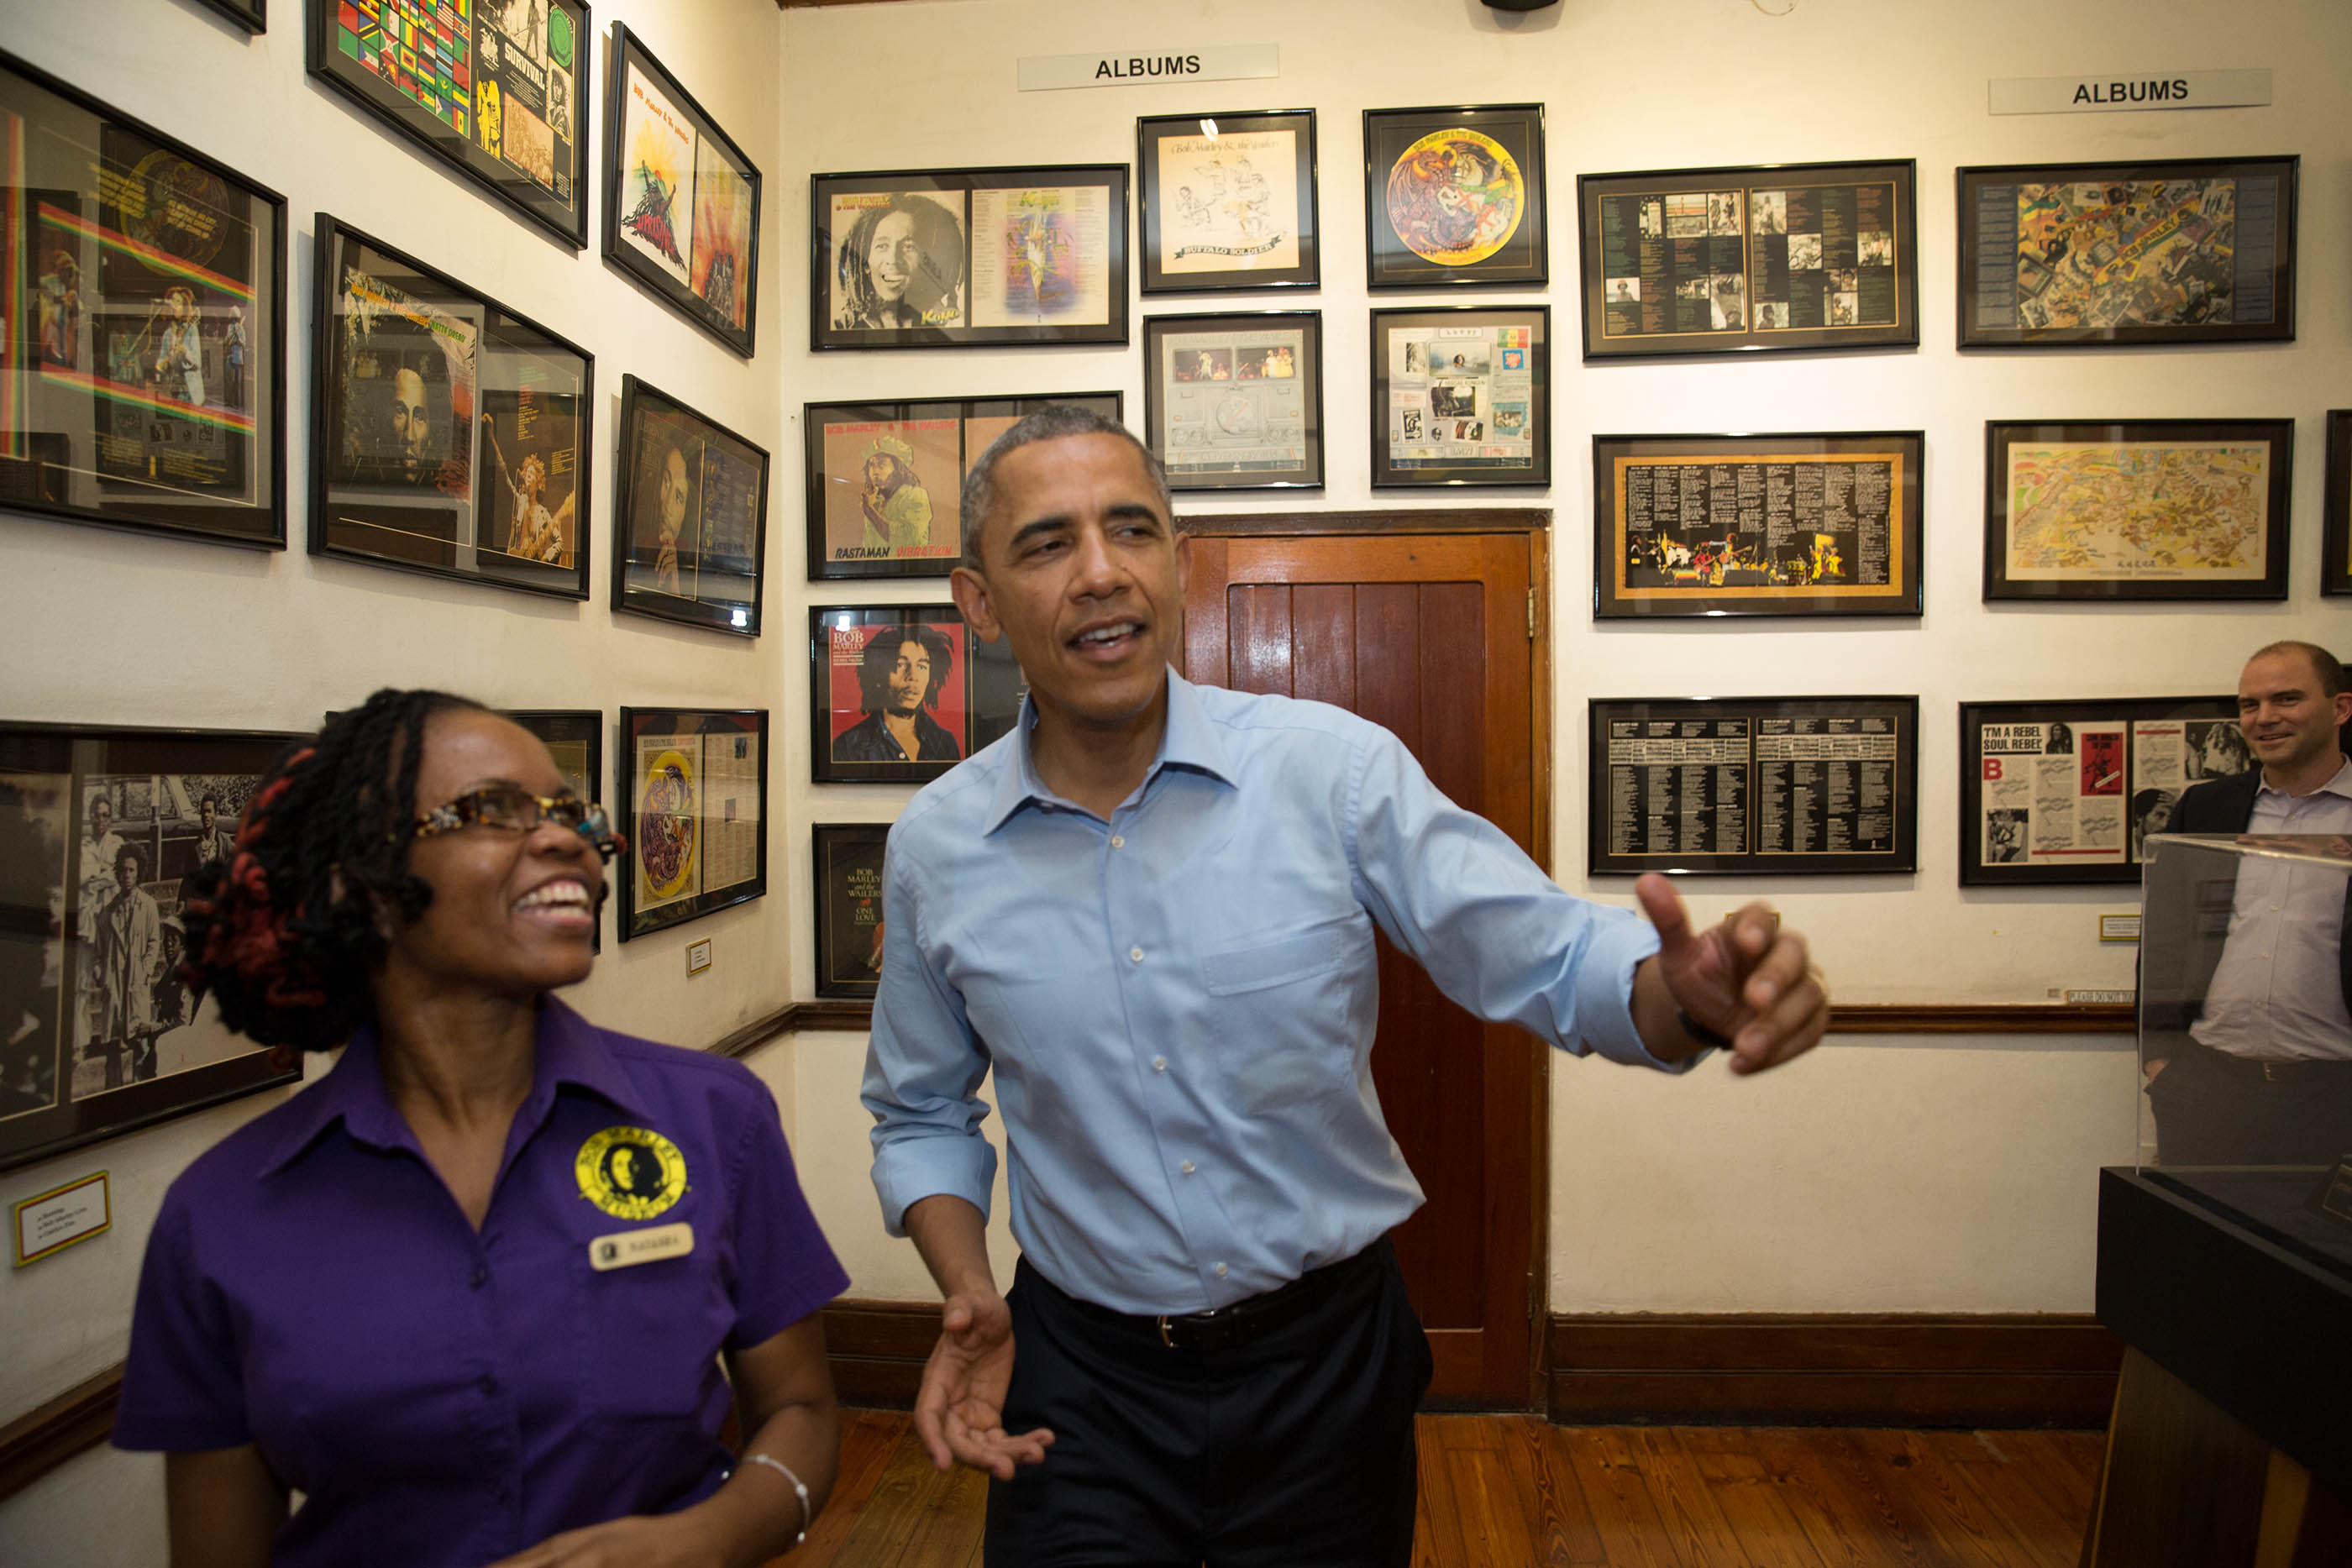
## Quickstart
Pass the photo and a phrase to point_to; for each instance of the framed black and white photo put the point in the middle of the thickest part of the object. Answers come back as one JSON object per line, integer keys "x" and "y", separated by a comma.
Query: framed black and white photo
{"x": 495, "y": 90}
{"x": 885, "y": 479}
{"x": 2059, "y": 794}
{"x": 1462, "y": 395}
{"x": 449, "y": 434}
{"x": 694, "y": 791}
{"x": 899, "y": 694}
{"x": 101, "y": 831}
{"x": 847, "y": 864}
{"x": 2139, "y": 510}
{"x": 962, "y": 257}
{"x": 142, "y": 356}
{"x": 1454, "y": 195}
{"x": 1227, "y": 202}
{"x": 682, "y": 199}
{"x": 1234, "y": 401}
{"x": 690, "y": 517}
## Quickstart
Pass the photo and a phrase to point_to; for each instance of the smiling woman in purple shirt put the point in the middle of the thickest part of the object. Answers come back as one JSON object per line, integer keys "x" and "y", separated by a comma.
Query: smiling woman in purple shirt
{"x": 471, "y": 1294}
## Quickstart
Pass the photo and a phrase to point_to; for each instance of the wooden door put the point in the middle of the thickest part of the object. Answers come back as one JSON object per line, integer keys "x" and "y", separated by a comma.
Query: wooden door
{"x": 1429, "y": 635}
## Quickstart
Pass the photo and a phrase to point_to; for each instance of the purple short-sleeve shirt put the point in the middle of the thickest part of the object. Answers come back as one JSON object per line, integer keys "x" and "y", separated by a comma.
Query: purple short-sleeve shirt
{"x": 441, "y": 1396}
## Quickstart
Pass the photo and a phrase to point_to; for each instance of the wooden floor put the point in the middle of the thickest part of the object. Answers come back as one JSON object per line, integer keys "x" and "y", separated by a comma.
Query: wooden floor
{"x": 1498, "y": 1491}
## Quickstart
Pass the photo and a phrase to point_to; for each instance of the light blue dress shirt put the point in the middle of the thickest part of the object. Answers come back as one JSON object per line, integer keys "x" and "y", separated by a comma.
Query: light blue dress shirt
{"x": 1179, "y": 1003}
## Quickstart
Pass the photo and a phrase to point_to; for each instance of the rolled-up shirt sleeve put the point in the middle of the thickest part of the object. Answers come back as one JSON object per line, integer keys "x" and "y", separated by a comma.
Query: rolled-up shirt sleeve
{"x": 923, "y": 1071}
{"x": 182, "y": 1383}
{"x": 1497, "y": 935}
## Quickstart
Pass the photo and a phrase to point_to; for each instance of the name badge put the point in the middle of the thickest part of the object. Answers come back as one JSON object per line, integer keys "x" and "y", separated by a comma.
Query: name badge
{"x": 627, "y": 1248}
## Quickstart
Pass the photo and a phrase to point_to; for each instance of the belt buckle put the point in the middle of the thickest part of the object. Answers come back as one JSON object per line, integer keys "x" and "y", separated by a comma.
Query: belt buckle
{"x": 2270, "y": 1073}
{"x": 1164, "y": 1337}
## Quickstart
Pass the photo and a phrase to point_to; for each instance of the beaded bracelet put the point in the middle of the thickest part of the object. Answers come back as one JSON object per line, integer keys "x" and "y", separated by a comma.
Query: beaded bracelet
{"x": 799, "y": 1489}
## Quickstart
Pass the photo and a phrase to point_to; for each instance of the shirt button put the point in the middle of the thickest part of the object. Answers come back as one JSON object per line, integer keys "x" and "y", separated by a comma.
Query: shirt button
{"x": 1135, "y": 954}
{"x": 1118, "y": 843}
{"x": 1159, "y": 1064}
{"x": 479, "y": 1278}
{"x": 1187, "y": 1168}
{"x": 1221, "y": 1271}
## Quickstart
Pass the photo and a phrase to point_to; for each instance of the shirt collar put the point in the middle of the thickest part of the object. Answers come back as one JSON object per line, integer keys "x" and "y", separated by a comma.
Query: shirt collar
{"x": 567, "y": 1049}
{"x": 2340, "y": 784}
{"x": 1188, "y": 741}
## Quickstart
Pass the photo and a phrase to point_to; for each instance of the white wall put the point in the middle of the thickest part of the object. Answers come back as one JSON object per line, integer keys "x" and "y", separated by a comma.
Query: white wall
{"x": 1883, "y": 1175}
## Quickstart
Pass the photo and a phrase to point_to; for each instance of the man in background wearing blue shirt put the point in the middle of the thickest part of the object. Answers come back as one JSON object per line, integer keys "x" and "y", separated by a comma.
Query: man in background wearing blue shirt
{"x": 1150, "y": 910}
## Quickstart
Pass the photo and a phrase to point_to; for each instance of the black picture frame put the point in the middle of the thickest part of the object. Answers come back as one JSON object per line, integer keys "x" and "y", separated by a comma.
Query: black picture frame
{"x": 1757, "y": 766}
{"x": 576, "y": 738}
{"x": 2023, "y": 458}
{"x": 1508, "y": 139}
{"x": 931, "y": 443}
{"x": 384, "y": 495}
{"x": 721, "y": 582}
{"x": 847, "y": 879}
{"x": 1849, "y": 539}
{"x": 2036, "y": 280}
{"x": 712, "y": 278}
{"x": 977, "y": 701}
{"x": 445, "y": 117}
{"x": 2335, "y": 549}
{"x": 110, "y": 969}
{"x": 935, "y": 282}
{"x": 1215, "y": 242}
{"x": 1762, "y": 259}
{"x": 2106, "y": 772}
{"x": 1401, "y": 460}
{"x": 677, "y": 843}
{"x": 253, "y": 16}
{"x": 142, "y": 358}
{"x": 1233, "y": 399}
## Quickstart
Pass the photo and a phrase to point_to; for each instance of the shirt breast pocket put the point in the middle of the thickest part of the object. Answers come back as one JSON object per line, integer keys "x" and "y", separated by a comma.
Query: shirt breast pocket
{"x": 1288, "y": 1010}
{"x": 650, "y": 1335}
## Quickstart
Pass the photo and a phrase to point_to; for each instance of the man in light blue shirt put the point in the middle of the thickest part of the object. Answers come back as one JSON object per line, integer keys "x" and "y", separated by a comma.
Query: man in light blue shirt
{"x": 1150, "y": 910}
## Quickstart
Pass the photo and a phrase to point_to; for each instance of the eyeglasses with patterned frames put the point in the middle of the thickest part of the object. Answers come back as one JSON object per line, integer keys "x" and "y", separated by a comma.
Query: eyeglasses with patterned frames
{"x": 502, "y": 806}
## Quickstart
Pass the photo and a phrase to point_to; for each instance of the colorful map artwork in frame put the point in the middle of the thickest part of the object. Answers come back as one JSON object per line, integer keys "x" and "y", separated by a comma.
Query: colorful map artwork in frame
{"x": 423, "y": 49}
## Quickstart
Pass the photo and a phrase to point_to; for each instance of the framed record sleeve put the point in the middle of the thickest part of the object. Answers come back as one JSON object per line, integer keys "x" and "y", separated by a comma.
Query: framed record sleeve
{"x": 694, "y": 791}
{"x": 1227, "y": 202}
{"x": 1462, "y": 395}
{"x": 848, "y": 878}
{"x": 1236, "y": 402}
{"x": 2336, "y": 554}
{"x": 899, "y": 694}
{"x": 1454, "y": 195}
{"x": 690, "y": 517}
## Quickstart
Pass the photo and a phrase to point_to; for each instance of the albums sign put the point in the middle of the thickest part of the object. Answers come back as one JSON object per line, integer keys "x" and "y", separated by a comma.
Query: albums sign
{"x": 1230, "y": 62}
{"x": 2128, "y": 90}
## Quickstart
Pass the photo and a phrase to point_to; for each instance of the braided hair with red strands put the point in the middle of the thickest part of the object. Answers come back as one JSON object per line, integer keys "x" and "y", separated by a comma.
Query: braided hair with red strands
{"x": 283, "y": 933}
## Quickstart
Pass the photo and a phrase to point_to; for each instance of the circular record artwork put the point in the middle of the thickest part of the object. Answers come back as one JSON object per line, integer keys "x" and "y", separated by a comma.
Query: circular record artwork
{"x": 1455, "y": 196}
{"x": 666, "y": 826}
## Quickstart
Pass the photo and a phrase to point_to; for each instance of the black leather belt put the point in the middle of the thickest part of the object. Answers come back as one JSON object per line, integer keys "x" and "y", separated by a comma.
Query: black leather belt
{"x": 2281, "y": 1070}
{"x": 1229, "y": 1328}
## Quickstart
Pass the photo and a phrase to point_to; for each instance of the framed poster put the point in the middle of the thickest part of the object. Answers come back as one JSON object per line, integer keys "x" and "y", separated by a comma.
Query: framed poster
{"x": 681, "y": 201}
{"x": 2149, "y": 508}
{"x": 694, "y": 793}
{"x": 1454, "y": 195}
{"x": 2169, "y": 251}
{"x": 1462, "y": 395}
{"x": 449, "y": 435}
{"x": 576, "y": 738}
{"x": 1798, "y": 786}
{"x": 885, "y": 479}
{"x": 1227, "y": 202}
{"x": 955, "y": 259}
{"x": 848, "y": 864}
{"x": 490, "y": 89}
{"x": 1824, "y": 524}
{"x": 690, "y": 520}
{"x": 2057, "y": 794}
{"x": 1234, "y": 401}
{"x": 253, "y": 16}
{"x": 143, "y": 316}
{"x": 899, "y": 694}
{"x": 2336, "y": 554}
{"x": 1717, "y": 261}
{"x": 101, "y": 829}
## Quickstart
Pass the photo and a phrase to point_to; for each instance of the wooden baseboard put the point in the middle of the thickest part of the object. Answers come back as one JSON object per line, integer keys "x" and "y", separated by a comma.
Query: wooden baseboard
{"x": 877, "y": 1350}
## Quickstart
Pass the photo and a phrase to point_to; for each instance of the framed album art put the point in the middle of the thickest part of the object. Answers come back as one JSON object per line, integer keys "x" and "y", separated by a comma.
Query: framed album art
{"x": 2335, "y": 552}
{"x": 690, "y": 517}
{"x": 2150, "y": 508}
{"x": 253, "y": 16}
{"x": 1227, "y": 202}
{"x": 2091, "y": 255}
{"x": 1748, "y": 786}
{"x": 899, "y": 694}
{"x": 1716, "y": 261}
{"x": 449, "y": 434}
{"x": 1234, "y": 401}
{"x": 1462, "y": 395}
{"x": 1454, "y": 195}
{"x": 848, "y": 866}
{"x": 885, "y": 479}
{"x": 143, "y": 315}
{"x": 101, "y": 831}
{"x": 1821, "y": 524}
{"x": 2057, "y": 794}
{"x": 576, "y": 738}
{"x": 694, "y": 793}
{"x": 492, "y": 89}
{"x": 681, "y": 200}
{"x": 961, "y": 257}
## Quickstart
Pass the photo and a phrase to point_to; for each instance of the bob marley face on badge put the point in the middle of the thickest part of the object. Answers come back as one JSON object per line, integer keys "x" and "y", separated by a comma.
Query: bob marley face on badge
{"x": 630, "y": 1173}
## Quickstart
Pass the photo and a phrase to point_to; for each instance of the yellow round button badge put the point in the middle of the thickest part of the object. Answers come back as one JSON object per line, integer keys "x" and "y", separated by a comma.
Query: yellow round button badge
{"x": 630, "y": 1173}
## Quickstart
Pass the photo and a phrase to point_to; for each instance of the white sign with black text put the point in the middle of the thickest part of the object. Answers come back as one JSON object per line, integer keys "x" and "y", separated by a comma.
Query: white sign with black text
{"x": 2130, "y": 89}
{"x": 1219, "y": 62}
